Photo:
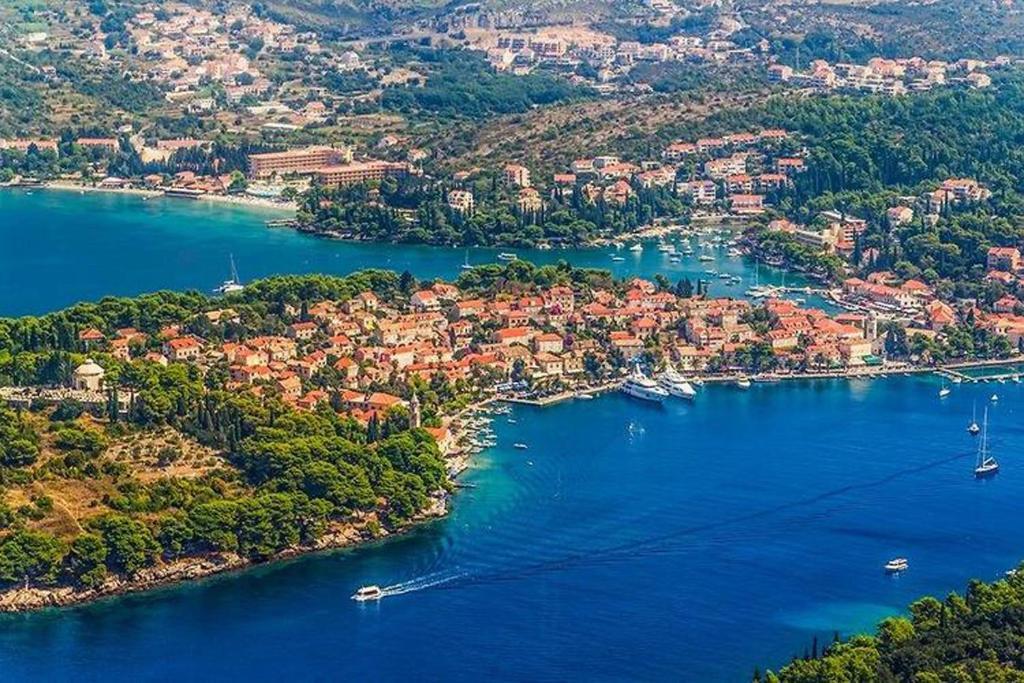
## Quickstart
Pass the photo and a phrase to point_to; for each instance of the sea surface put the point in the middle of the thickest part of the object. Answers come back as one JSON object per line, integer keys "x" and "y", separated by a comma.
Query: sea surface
{"x": 686, "y": 542}
{"x": 58, "y": 247}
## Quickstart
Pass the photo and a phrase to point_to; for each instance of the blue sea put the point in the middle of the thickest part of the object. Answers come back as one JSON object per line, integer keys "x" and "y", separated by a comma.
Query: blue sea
{"x": 688, "y": 542}
{"x": 60, "y": 247}
{"x": 629, "y": 542}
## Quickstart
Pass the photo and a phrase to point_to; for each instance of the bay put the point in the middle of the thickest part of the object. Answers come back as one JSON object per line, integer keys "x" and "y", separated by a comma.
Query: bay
{"x": 629, "y": 542}
{"x": 59, "y": 247}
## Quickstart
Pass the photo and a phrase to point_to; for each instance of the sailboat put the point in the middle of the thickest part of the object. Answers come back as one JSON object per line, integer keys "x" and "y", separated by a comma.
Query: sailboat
{"x": 232, "y": 285}
{"x": 465, "y": 264}
{"x": 986, "y": 465}
{"x": 944, "y": 391}
{"x": 973, "y": 428}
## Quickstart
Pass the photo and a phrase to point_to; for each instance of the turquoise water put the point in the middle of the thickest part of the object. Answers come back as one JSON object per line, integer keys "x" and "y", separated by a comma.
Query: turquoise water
{"x": 629, "y": 542}
{"x": 60, "y": 247}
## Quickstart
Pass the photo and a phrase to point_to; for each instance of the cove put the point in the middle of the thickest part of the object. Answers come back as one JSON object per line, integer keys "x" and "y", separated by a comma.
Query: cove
{"x": 628, "y": 542}
{"x": 60, "y": 248}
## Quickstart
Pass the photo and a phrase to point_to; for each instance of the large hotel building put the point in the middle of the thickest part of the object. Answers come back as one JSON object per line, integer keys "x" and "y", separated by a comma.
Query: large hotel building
{"x": 359, "y": 172}
{"x": 305, "y": 160}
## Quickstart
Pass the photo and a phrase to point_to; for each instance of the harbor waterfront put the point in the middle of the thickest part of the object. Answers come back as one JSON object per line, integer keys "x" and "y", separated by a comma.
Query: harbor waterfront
{"x": 62, "y": 247}
{"x": 645, "y": 541}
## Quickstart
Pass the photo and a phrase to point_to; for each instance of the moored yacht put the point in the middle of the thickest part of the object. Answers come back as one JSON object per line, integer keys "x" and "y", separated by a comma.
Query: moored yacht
{"x": 639, "y": 385}
{"x": 743, "y": 382}
{"x": 507, "y": 256}
{"x": 985, "y": 465}
{"x": 676, "y": 385}
{"x": 234, "y": 284}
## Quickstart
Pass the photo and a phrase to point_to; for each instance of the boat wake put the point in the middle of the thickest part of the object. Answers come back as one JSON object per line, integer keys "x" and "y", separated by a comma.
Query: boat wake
{"x": 419, "y": 584}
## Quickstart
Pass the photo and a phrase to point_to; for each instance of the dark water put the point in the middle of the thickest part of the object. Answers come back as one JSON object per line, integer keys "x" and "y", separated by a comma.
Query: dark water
{"x": 629, "y": 542}
{"x": 59, "y": 247}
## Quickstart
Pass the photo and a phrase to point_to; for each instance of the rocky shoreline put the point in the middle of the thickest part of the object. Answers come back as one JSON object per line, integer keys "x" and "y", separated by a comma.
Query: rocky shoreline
{"x": 31, "y": 599}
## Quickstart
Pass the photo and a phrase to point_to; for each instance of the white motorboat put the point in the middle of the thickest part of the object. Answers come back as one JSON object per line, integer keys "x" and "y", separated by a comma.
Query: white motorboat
{"x": 944, "y": 392}
{"x": 507, "y": 256}
{"x": 897, "y": 565}
{"x": 994, "y": 398}
{"x": 636, "y": 248}
{"x": 743, "y": 382}
{"x": 368, "y": 593}
{"x": 676, "y": 385}
{"x": 639, "y": 385}
{"x": 520, "y": 446}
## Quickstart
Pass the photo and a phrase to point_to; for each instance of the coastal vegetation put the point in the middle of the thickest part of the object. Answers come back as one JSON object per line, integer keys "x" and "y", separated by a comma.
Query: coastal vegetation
{"x": 416, "y": 210}
{"x": 88, "y": 495}
{"x": 971, "y": 637}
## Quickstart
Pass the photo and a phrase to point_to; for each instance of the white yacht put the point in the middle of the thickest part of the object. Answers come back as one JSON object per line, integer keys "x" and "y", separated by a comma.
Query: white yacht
{"x": 520, "y": 446}
{"x": 973, "y": 428}
{"x": 507, "y": 256}
{"x": 368, "y": 593}
{"x": 639, "y": 385}
{"x": 234, "y": 284}
{"x": 944, "y": 392}
{"x": 743, "y": 382}
{"x": 985, "y": 465}
{"x": 897, "y": 565}
{"x": 676, "y": 385}
{"x": 636, "y": 248}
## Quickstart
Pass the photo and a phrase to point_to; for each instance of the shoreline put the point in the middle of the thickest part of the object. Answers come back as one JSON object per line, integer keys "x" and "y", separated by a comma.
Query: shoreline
{"x": 232, "y": 200}
{"x": 345, "y": 535}
{"x": 341, "y": 535}
{"x": 463, "y": 426}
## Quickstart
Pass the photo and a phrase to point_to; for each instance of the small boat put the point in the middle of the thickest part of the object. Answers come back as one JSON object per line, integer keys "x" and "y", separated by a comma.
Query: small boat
{"x": 706, "y": 257}
{"x": 944, "y": 392}
{"x": 897, "y": 565}
{"x": 511, "y": 420}
{"x": 618, "y": 258}
{"x": 466, "y": 265}
{"x": 743, "y": 382}
{"x": 507, "y": 256}
{"x": 675, "y": 258}
{"x": 636, "y": 248}
{"x": 973, "y": 428}
{"x": 664, "y": 248}
{"x": 985, "y": 465}
{"x": 368, "y": 593}
{"x": 520, "y": 446}
{"x": 233, "y": 285}
{"x": 994, "y": 398}
{"x": 585, "y": 397}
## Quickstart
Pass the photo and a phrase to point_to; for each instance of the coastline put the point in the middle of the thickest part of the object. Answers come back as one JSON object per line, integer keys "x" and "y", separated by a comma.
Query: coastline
{"x": 187, "y": 569}
{"x": 234, "y": 200}
{"x": 341, "y": 535}
{"x": 464, "y": 427}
